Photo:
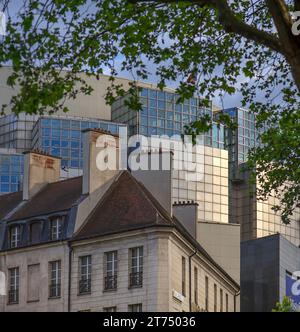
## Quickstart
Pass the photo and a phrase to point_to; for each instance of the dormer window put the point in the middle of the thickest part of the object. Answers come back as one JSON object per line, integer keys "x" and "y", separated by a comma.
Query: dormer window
{"x": 15, "y": 236}
{"x": 56, "y": 228}
{"x": 35, "y": 232}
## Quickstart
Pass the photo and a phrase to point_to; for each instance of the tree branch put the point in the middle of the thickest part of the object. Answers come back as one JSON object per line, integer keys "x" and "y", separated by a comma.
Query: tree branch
{"x": 297, "y": 5}
{"x": 233, "y": 24}
{"x": 230, "y": 22}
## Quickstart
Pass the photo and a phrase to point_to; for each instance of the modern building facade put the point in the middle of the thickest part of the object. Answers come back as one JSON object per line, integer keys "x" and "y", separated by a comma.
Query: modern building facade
{"x": 162, "y": 115}
{"x": 16, "y": 131}
{"x": 208, "y": 186}
{"x": 62, "y": 137}
{"x": 241, "y": 140}
{"x": 57, "y": 135}
{"x": 270, "y": 270}
{"x": 102, "y": 242}
{"x": 11, "y": 171}
{"x": 256, "y": 217}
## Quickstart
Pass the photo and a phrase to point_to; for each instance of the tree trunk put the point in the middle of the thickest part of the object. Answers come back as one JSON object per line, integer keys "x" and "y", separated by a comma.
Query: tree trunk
{"x": 296, "y": 73}
{"x": 294, "y": 61}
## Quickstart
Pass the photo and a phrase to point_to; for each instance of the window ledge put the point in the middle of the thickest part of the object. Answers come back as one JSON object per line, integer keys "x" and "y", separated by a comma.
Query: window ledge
{"x": 83, "y": 294}
{"x": 33, "y": 301}
{"x": 133, "y": 287}
{"x": 110, "y": 290}
{"x": 54, "y": 297}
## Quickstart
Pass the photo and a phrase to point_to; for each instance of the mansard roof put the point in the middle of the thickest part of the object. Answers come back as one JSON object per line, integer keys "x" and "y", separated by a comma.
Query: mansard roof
{"x": 54, "y": 197}
{"x": 9, "y": 202}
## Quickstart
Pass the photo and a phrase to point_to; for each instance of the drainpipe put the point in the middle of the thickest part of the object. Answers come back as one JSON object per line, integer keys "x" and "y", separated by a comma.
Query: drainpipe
{"x": 190, "y": 278}
{"x": 235, "y": 296}
{"x": 69, "y": 276}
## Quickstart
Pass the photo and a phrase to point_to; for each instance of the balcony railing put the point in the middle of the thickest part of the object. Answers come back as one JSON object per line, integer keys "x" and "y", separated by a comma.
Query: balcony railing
{"x": 136, "y": 279}
{"x": 13, "y": 296}
{"x": 110, "y": 282}
{"x": 84, "y": 286}
{"x": 54, "y": 290}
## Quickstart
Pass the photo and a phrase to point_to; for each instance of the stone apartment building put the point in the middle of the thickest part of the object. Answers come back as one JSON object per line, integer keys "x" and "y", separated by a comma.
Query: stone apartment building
{"x": 106, "y": 241}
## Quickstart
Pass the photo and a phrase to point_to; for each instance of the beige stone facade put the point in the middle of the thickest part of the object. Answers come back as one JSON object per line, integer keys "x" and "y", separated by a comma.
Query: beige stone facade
{"x": 40, "y": 256}
{"x": 162, "y": 276}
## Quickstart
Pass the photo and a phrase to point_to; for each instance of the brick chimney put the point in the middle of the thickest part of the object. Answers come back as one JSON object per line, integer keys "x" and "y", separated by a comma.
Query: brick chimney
{"x": 100, "y": 159}
{"x": 39, "y": 170}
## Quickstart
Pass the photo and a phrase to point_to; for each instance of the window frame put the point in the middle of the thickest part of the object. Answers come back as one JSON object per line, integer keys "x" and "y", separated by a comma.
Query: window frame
{"x": 206, "y": 293}
{"x": 13, "y": 286}
{"x": 35, "y": 223}
{"x": 138, "y": 306}
{"x": 111, "y": 275}
{"x": 14, "y": 238}
{"x": 110, "y": 309}
{"x": 183, "y": 276}
{"x": 57, "y": 227}
{"x": 87, "y": 274}
{"x": 215, "y": 298}
{"x": 136, "y": 268}
{"x": 57, "y": 278}
{"x": 196, "y": 299}
{"x": 221, "y": 300}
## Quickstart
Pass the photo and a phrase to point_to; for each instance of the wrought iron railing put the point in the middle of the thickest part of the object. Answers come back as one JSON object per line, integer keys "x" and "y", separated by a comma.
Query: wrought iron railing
{"x": 136, "y": 279}
{"x": 110, "y": 282}
{"x": 54, "y": 290}
{"x": 13, "y": 296}
{"x": 84, "y": 286}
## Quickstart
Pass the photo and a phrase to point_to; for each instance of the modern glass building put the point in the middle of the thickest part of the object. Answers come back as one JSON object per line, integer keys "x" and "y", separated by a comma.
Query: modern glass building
{"x": 62, "y": 137}
{"x": 11, "y": 171}
{"x": 15, "y": 131}
{"x": 162, "y": 115}
{"x": 58, "y": 136}
{"x": 241, "y": 140}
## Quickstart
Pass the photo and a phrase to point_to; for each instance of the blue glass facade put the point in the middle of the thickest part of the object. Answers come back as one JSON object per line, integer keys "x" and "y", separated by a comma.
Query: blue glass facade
{"x": 241, "y": 140}
{"x": 162, "y": 115}
{"x": 62, "y": 137}
{"x": 11, "y": 172}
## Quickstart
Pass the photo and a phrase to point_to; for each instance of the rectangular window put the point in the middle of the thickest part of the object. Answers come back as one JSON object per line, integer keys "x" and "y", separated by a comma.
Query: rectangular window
{"x": 55, "y": 279}
{"x": 55, "y": 229}
{"x": 33, "y": 283}
{"x": 206, "y": 294}
{"x": 111, "y": 273}
{"x": 135, "y": 307}
{"x": 215, "y": 298}
{"x": 136, "y": 269}
{"x": 35, "y": 232}
{"x": 85, "y": 271}
{"x": 196, "y": 285}
{"x": 15, "y": 237}
{"x": 183, "y": 276}
{"x": 13, "y": 288}
{"x": 110, "y": 309}
{"x": 227, "y": 305}
{"x": 221, "y": 300}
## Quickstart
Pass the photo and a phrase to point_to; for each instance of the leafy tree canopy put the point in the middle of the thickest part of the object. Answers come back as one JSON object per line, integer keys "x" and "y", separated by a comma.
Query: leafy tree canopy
{"x": 284, "y": 306}
{"x": 249, "y": 47}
